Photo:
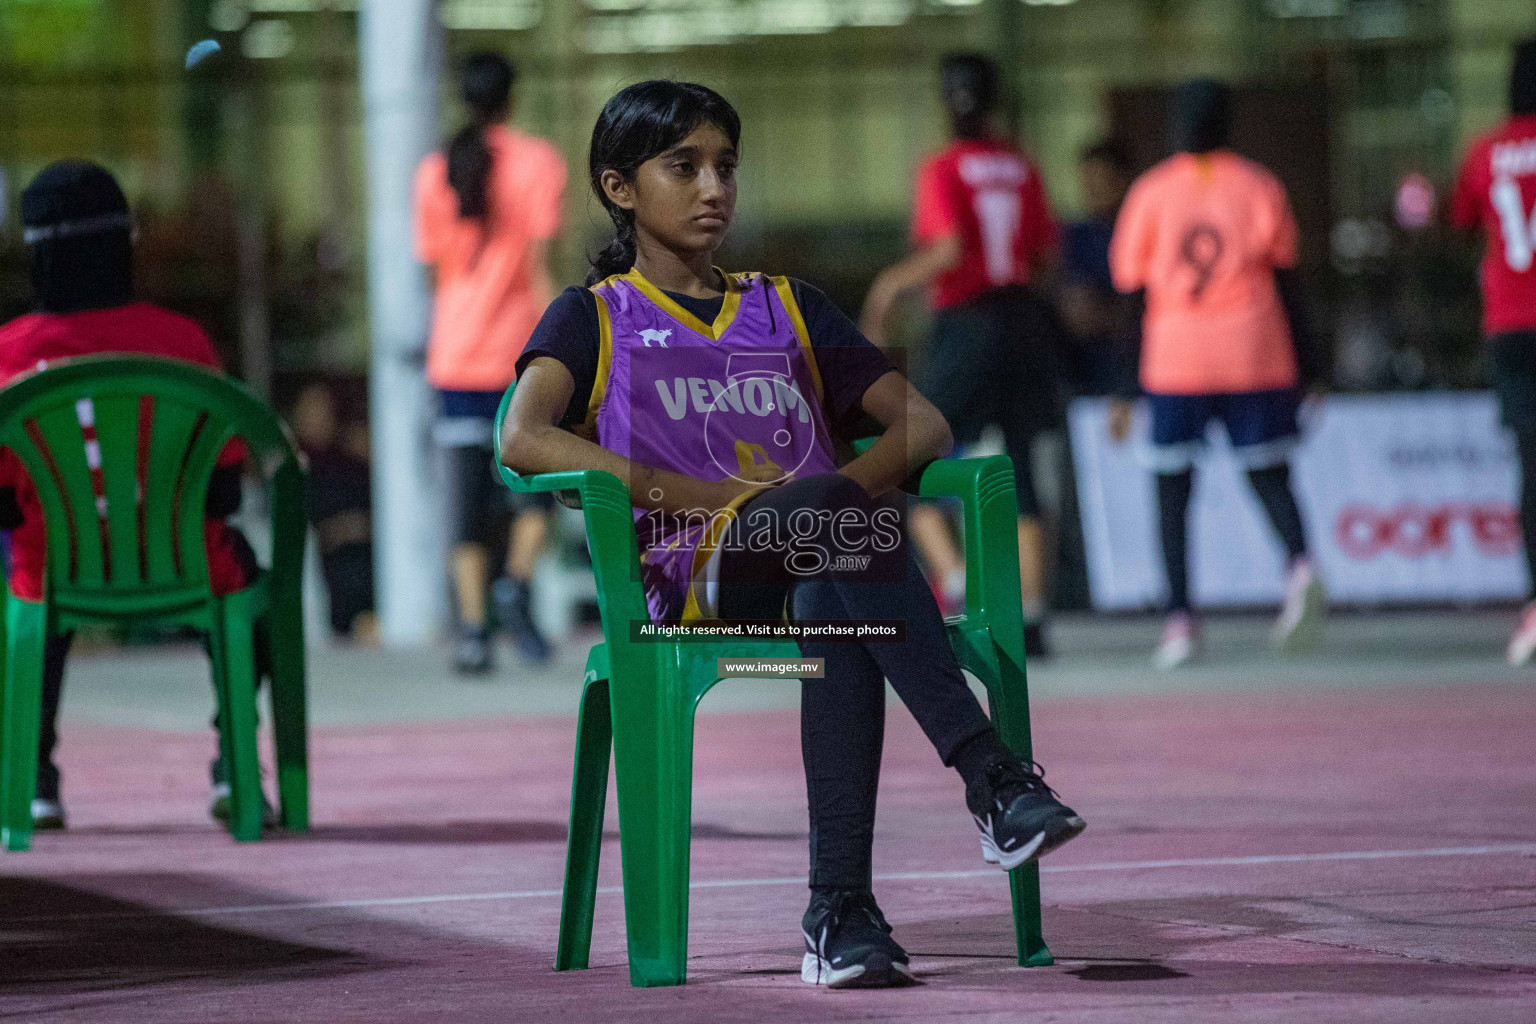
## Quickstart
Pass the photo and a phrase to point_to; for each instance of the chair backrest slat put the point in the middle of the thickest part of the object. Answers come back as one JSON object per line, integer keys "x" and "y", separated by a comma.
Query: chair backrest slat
{"x": 63, "y": 451}
{"x": 116, "y": 419}
{"x": 190, "y": 486}
{"x": 171, "y": 429}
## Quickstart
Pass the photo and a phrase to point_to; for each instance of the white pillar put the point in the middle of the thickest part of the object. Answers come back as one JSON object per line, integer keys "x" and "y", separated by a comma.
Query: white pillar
{"x": 400, "y": 51}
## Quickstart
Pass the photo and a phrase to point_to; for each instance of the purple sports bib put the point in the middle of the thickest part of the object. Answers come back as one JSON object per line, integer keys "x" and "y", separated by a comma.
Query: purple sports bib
{"x": 739, "y": 398}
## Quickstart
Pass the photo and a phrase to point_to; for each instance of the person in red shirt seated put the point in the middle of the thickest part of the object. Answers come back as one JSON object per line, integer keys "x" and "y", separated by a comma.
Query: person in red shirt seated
{"x": 983, "y": 231}
{"x": 79, "y": 241}
{"x": 1496, "y": 192}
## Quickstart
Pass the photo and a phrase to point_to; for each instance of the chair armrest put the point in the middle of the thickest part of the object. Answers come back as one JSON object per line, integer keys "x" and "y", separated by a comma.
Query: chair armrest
{"x": 990, "y": 515}
{"x": 566, "y": 486}
{"x": 610, "y": 528}
{"x": 962, "y": 478}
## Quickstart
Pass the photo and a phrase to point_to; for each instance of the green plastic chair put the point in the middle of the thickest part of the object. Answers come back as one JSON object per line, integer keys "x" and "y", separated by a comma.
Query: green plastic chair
{"x": 137, "y": 556}
{"x": 639, "y": 700}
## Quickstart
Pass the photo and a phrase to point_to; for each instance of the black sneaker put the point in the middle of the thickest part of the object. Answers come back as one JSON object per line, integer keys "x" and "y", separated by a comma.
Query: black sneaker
{"x": 1018, "y": 814}
{"x": 512, "y": 612}
{"x": 848, "y": 943}
{"x": 472, "y": 651}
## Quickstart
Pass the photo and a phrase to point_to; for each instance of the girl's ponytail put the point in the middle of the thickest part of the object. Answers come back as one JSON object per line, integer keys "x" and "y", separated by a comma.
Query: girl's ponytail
{"x": 641, "y": 122}
{"x": 487, "y": 89}
{"x": 469, "y": 168}
{"x": 618, "y": 256}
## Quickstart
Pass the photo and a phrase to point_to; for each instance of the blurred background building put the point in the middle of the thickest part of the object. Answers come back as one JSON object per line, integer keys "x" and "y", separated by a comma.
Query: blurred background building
{"x": 248, "y": 172}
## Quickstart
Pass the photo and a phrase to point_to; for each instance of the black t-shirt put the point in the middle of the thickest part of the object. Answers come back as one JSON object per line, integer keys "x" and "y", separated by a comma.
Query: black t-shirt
{"x": 848, "y": 363}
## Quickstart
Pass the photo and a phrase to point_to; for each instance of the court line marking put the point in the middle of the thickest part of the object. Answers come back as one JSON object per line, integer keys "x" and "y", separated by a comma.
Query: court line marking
{"x": 740, "y": 883}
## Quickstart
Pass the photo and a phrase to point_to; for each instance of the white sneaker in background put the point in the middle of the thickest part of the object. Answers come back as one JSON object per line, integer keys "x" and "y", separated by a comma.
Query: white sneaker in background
{"x": 1522, "y": 646}
{"x": 1180, "y": 643}
{"x": 47, "y": 814}
{"x": 1301, "y": 618}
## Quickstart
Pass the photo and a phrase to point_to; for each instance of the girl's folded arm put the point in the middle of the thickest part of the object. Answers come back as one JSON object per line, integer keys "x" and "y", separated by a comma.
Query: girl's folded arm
{"x": 915, "y": 434}
{"x": 533, "y": 442}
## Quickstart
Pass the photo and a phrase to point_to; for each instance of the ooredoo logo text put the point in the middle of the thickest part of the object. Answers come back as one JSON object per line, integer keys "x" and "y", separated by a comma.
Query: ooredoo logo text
{"x": 1412, "y": 530}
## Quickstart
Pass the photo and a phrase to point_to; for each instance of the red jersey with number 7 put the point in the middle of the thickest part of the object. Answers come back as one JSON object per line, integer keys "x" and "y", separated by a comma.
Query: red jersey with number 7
{"x": 986, "y": 193}
{"x": 1496, "y": 191}
{"x": 1204, "y": 235}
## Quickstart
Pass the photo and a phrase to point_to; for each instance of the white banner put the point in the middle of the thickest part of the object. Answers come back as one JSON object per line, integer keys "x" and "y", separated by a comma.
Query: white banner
{"x": 1406, "y": 498}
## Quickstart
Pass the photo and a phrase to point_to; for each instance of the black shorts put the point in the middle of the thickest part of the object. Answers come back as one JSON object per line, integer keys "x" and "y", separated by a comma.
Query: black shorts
{"x": 480, "y": 507}
{"x": 993, "y": 361}
{"x": 1512, "y": 364}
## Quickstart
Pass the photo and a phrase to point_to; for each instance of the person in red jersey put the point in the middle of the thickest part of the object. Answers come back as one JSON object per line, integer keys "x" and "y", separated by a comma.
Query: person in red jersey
{"x": 982, "y": 229}
{"x": 79, "y": 240}
{"x": 1495, "y": 191}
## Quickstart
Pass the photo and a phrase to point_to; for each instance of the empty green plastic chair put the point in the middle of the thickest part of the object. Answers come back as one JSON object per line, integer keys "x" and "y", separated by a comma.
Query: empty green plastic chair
{"x": 134, "y": 554}
{"x": 639, "y": 699}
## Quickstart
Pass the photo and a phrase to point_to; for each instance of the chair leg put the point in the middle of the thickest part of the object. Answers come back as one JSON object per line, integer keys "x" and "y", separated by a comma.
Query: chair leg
{"x": 584, "y": 844}
{"x": 1028, "y": 933}
{"x": 653, "y": 762}
{"x": 232, "y": 646}
{"x": 290, "y": 715}
{"x": 26, "y": 640}
{"x": 1009, "y": 699}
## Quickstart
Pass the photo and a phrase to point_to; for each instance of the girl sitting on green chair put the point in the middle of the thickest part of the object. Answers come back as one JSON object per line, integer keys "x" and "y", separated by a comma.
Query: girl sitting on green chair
{"x": 723, "y": 401}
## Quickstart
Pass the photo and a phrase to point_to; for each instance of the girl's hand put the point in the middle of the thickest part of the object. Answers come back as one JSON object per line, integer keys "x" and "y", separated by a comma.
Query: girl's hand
{"x": 915, "y": 435}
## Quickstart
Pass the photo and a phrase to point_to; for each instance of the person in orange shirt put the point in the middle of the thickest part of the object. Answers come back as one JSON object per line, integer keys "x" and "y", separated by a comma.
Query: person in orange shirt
{"x": 1209, "y": 236}
{"x": 486, "y": 210}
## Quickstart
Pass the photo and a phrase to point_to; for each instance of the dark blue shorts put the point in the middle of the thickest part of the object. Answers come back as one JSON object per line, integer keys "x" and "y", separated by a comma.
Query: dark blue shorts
{"x": 1260, "y": 424}
{"x": 478, "y": 503}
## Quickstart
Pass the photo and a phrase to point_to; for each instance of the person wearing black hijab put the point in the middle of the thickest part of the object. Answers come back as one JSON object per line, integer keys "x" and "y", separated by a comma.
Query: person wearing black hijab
{"x": 1495, "y": 192}
{"x": 1202, "y": 116}
{"x": 79, "y": 237}
{"x": 1210, "y": 238}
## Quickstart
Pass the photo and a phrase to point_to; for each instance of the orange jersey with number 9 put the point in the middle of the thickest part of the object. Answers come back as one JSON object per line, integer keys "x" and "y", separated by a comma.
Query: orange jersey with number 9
{"x": 1204, "y": 234}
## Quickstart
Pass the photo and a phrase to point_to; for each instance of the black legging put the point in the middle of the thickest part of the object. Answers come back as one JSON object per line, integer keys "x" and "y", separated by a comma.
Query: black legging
{"x": 842, "y": 717}
{"x": 1272, "y": 484}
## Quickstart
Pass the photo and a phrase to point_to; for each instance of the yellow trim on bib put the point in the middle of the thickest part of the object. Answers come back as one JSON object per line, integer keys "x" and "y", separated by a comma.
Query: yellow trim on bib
{"x": 701, "y": 554}
{"x": 713, "y": 331}
{"x": 604, "y": 366}
{"x": 787, "y": 298}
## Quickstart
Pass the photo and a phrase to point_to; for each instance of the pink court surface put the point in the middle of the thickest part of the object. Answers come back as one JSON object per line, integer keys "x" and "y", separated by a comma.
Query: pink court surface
{"x": 1350, "y": 838}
